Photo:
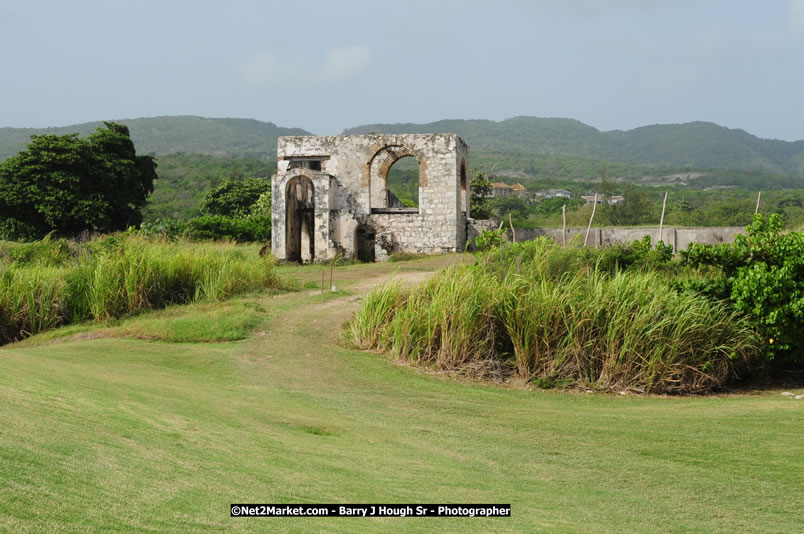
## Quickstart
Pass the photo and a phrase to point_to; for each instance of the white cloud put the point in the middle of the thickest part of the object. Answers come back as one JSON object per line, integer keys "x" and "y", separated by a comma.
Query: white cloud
{"x": 797, "y": 15}
{"x": 341, "y": 63}
{"x": 269, "y": 71}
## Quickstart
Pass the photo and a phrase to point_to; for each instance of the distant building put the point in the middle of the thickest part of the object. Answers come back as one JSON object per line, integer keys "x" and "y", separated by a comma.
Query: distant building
{"x": 499, "y": 189}
{"x": 614, "y": 199}
{"x": 554, "y": 193}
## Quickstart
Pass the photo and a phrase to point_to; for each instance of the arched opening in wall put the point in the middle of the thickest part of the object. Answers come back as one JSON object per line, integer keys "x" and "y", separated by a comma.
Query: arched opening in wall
{"x": 300, "y": 220}
{"x": 463, "y": 197}
{"x": 402, "y": 182}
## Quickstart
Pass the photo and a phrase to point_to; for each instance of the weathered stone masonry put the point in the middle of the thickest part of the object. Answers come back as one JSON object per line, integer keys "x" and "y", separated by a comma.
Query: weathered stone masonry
{"x": 330, "y": 196}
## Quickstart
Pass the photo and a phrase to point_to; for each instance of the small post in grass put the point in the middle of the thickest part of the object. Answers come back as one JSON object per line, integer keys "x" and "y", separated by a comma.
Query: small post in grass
{"x": 322, "y": 281}
{"x": 511, "y": 223}
{"x": 661, "y": 221}
{"x": 564, "y": 227}
{"x": 759, "y": 195}
{"x": 331, "y": 268}
{"x": 592, "y": 218}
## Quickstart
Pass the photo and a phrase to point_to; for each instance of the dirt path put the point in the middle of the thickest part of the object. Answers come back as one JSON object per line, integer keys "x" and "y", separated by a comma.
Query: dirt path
{"x": 304, "y": 331}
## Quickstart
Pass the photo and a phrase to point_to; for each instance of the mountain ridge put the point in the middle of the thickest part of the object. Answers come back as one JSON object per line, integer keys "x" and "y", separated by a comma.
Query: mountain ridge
{"x": 697, "y": 144}
{"x": 168, "y": 134}
{"x": 693, "y": 145}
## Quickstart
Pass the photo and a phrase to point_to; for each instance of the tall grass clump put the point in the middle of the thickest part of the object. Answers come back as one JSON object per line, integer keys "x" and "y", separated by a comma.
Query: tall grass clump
{"x": 32, "y": 299}
{"x": 119, "y": 276}
{"x": 367, "y": 327}
{"x": 549, "y": 315}
{"x": 626, "y": 331}
{"x": 448, "y": 321}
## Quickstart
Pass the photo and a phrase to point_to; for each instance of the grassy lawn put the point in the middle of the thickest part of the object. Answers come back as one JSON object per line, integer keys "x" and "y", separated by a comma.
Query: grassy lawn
{"x": 127, "y": 434}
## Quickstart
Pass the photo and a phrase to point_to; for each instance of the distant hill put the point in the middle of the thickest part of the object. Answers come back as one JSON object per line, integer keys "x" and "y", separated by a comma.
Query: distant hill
{"x": 196, "y": 152}
{"x": 693, "y": 145}
{"x": 173, "y": 134}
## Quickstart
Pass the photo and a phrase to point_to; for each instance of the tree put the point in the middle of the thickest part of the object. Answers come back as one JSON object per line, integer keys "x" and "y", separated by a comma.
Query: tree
{"x": 511, "y": 204}
{"x": 66, "y": 184}
{"x": 481, "y": 189}
{"x": 234, "y": 198}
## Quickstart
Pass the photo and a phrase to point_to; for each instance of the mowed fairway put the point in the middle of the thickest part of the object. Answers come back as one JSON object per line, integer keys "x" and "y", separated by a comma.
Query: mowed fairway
{"x": 131, "y": 435}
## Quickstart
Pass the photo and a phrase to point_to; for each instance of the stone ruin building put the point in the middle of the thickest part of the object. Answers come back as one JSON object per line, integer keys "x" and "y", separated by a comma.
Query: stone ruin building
{"x": 330, "y": 197}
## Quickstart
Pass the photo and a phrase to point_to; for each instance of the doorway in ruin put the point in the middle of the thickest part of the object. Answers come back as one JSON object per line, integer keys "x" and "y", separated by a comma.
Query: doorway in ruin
{"x": 366, "y": 239}
{"x": 300, "y": 220}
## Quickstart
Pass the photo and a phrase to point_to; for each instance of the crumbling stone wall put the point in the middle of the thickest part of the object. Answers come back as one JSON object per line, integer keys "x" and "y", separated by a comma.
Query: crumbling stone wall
{"x": 349, "y": 203}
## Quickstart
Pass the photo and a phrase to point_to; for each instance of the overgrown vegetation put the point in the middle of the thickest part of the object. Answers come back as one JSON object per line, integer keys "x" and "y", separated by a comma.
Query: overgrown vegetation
{"x": 238, "y": 210}
{"x": 184, "y": 178}
{"x": 67, "y": 185}
{"x": 761, "y": 275}
{"x": 48, "y": 284}
{"x": 604, "y": 319}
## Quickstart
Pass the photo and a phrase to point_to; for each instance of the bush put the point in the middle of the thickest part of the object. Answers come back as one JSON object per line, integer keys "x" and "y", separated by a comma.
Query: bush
{"x": 253, "y": 228}
{"x": 761, "y": 275}
{"x": 490, "y": 238}
{"x": 636, "y": 255}
{"x": 235, "y": 198}
{"x": 167, "y": 227}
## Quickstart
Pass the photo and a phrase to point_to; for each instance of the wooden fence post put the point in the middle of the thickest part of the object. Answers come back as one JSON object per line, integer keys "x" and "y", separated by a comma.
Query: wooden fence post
{"x": 661, "y": 221}
{"x": 589, "y": 228}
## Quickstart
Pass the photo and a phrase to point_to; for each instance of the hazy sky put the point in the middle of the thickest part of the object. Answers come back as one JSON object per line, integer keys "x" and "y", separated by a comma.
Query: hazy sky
{"x": 325, "y": 66}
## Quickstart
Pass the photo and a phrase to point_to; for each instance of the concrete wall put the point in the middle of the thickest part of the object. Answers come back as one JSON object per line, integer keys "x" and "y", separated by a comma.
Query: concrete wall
{"x": 680, "y": 238}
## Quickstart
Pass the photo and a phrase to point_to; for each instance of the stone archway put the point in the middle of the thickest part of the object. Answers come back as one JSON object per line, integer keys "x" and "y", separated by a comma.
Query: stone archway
{"x": 299, "y": 220}
{"x": 383, "y": 158}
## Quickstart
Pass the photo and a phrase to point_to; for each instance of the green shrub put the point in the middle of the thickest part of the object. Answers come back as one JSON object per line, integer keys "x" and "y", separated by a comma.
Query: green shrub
{"x": 636, "y": 255}
{"x": 252, "y": 228}
{"x": 235, "y": 198}
{"x": 490, "y": 238}
{"x": 163, "y": 227}
{"x": 761, "y": 275}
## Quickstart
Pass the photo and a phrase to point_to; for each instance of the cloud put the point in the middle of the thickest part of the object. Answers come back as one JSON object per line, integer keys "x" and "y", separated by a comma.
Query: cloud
{"x": 797, "y": 15}
{"x": 342, "y": 63}
{"x": 269, "y": 71}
